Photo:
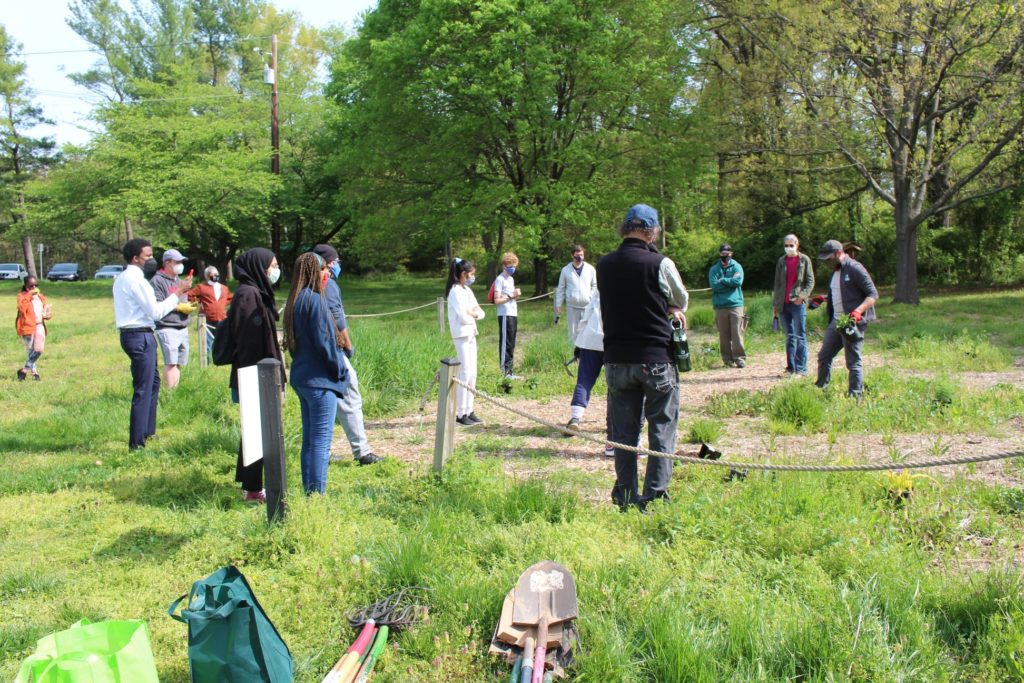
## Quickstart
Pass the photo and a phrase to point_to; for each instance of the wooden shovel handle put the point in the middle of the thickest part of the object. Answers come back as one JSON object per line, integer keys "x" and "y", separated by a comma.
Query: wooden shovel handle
{"x": 542, "y": 649}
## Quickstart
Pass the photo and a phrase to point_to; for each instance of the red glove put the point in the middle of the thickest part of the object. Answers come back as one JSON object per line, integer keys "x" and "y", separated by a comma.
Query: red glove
{"x": 855, "y": 315}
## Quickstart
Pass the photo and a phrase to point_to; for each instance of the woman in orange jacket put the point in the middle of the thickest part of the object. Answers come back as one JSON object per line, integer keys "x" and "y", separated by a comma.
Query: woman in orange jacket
{"x": 31, "y": 326}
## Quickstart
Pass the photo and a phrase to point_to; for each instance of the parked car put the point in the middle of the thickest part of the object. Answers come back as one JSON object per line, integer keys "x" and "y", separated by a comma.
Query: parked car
{"x": 65, "y": 271}
{"x": 108, "y": 272}
{"x": 12, "y": 271}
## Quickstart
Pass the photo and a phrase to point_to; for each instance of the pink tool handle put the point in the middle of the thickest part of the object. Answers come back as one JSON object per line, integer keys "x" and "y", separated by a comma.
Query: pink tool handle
{"x": 364, "y": 638}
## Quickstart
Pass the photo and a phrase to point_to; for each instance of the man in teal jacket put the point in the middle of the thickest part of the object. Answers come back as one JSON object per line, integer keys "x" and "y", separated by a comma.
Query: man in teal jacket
{"x": 726, "y": 280}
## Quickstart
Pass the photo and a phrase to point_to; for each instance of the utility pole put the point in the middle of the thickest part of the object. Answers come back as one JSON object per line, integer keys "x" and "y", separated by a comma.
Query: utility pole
{"x": 275, "y": 145}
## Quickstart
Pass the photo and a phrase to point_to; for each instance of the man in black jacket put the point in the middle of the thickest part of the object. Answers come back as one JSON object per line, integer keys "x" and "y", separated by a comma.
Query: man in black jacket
{"x": 852, "y": 292}
{"x": 640, "y": 292}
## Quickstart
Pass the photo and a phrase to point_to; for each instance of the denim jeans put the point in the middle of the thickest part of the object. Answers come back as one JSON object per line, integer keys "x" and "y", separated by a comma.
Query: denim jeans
{"x": 318, "y": 408}
{"x": 140, "y": 346}
{"x": 350, "y": 414}
{"x": 794, "y": 323}
{"x": 636, "y": 391}
{"x": 830, "y": 346}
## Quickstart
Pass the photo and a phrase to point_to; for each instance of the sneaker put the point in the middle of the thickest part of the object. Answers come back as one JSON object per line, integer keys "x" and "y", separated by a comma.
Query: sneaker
{"x": 741, "y": 363}
{"x": 573, "y": 425}
{"x": 474, "y": 419}
{"x": 800, "y": 373}
{"x": 465, "y": 421}
{"x": 609, "y": 452}
{"x": 255, "y": 496}
{"x": 514, "y": 376}
{"x": 368, "y": 459}
{"x": 22, "y": 374}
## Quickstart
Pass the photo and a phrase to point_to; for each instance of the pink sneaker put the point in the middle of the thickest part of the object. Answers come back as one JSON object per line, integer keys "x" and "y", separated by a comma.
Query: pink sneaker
{"x": 255, "y": 496}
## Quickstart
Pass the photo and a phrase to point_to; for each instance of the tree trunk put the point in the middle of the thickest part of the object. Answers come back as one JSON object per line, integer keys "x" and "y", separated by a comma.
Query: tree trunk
{"x": 129, "y": 233}
{"x": 30, "y": 263}
{"x": 540, "y": 275}
{"x": 906, "y": 254}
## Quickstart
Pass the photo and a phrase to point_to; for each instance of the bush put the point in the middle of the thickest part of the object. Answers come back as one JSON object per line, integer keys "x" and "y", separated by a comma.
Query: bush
{"x": 799, "y": 405}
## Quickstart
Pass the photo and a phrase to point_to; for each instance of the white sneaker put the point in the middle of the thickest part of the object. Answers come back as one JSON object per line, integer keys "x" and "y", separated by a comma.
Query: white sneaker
{"x": 609, "y": 452}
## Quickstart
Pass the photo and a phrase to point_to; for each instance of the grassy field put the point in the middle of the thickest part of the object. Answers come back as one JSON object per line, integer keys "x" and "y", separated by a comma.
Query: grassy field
{"x": 790, "y": 577}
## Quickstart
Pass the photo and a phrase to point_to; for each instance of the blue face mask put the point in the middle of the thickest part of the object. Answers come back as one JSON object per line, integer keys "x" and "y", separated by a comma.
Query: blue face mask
{"x": 511, "y": 270}
{"x": 336, "y": 269}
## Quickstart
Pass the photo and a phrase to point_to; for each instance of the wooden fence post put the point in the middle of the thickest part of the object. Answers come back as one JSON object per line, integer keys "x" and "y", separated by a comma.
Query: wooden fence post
{"x": 274, "y": 465}
{"x": 444, "y": 428}
{"x": 440, "y": 314}
{"x": 204, "y": 360}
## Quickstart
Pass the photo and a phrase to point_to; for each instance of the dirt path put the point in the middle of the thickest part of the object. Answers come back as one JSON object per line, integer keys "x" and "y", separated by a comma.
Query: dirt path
{"x": 410, "y": 438}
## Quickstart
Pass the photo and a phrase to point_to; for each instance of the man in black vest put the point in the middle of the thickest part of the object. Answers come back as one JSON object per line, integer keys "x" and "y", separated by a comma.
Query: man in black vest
{"x": 640, "y": 292}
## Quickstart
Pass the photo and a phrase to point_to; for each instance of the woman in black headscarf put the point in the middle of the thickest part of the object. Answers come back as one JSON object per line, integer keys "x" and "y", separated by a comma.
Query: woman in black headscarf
{"x": 252, "y": 319}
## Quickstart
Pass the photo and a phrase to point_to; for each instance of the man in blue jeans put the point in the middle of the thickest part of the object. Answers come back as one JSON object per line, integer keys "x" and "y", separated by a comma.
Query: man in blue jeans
{"x": 794, "y": 282}
{"x": 851, "y": 291}
{"x": 640, "y": 292}
{"x": 136, "y": 311}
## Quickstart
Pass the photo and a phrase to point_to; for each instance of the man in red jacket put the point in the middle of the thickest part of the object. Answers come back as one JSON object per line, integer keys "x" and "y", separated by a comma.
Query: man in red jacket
{"x": 213, "y": 298}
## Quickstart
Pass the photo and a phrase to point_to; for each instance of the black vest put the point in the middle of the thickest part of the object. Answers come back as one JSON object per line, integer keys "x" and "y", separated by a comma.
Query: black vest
{"x": 633, "y": 309}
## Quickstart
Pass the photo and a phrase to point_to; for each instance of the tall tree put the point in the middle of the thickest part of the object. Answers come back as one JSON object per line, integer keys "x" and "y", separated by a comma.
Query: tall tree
{"x": 921, "y": 98}
{"x": 21, "y": 156}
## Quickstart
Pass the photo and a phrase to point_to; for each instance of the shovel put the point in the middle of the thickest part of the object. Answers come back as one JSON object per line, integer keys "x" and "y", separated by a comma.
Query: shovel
{"x": 567, "y": 363}
{"x": 545, "y": 595}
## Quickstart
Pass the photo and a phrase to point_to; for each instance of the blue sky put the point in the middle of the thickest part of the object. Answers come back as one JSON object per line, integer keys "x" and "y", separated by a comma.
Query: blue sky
{"x": 40, "y": 27}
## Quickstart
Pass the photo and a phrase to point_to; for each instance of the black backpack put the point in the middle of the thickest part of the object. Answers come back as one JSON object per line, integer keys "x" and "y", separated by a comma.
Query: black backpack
{"x": 223, "y": 344}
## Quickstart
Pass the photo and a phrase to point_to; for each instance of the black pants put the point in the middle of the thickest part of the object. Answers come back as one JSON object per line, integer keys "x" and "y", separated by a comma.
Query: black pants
{"x": 507, "y": 325}
{"x": 140, "y": 346}
{"x": 251, "y": 477}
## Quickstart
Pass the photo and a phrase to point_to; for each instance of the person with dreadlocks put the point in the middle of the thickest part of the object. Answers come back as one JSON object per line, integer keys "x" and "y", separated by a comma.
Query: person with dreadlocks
{"x": 252, "y": 322}
{"x": 318, "y": 373}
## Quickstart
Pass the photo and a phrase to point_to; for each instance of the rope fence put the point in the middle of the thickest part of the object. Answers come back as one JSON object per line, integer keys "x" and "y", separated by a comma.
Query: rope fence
{"x": 768, "y": 467}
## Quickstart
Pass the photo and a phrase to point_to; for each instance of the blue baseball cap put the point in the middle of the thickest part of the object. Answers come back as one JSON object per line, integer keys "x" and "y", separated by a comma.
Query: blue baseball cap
{"x": 173, "y": 255}
{"x": 643, "y": 213}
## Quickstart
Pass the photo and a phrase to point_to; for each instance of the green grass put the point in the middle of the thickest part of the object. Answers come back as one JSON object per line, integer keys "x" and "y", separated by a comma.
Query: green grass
{"x": 788, "y": 577}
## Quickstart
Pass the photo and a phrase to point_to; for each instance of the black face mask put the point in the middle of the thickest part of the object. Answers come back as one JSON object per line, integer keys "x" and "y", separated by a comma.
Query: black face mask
{"x": 215, "y": 278}
{"x": 149, "y": 268}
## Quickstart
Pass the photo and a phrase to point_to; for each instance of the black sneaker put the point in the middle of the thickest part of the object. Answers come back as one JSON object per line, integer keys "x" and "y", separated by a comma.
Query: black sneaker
{"x": 368, "y": 459}
{"x": 740, "y": 363}
{"x": 466, "y": 421}
{"x": 474, "y": 419}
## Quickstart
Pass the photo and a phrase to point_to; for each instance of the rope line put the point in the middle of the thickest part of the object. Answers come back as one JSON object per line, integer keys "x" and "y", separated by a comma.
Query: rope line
{"x": 867, "y": 467}
{"x": 377, "y": 315}
{"x": 522, "y": 301}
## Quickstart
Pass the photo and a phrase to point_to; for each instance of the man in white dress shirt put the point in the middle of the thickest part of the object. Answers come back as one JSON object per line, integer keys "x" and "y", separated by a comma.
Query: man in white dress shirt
{"x": 135, "y": 312}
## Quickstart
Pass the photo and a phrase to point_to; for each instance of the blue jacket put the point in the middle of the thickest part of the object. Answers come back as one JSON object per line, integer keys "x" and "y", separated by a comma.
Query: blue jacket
{"x": 333, "y": 292}
{"x": 726, "y": 284}
{"x": 317, "y": 360}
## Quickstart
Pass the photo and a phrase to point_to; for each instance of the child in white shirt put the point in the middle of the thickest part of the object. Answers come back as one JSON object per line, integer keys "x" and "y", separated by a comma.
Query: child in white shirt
{"x": 463, "y": 312}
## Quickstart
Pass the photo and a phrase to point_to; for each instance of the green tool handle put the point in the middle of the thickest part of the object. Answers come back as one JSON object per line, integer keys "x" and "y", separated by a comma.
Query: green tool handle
{"x": 516, "y": 669}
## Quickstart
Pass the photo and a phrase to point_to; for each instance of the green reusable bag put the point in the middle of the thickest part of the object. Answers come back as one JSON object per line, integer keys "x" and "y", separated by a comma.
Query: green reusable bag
{"x": 230, "y": 638}
{"x": 104, "y": 652}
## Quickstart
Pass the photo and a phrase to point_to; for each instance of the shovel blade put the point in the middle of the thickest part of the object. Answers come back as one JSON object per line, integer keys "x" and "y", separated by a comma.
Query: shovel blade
{"x": 546, "y": 588}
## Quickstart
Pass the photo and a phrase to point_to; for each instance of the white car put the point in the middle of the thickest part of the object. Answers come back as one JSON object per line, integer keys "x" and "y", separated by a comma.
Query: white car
{"x": 108, "y": 273}
{"x": 12, "y": 271}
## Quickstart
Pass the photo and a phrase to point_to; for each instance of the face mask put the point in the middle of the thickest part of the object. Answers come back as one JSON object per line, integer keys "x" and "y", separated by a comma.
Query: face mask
{"x": 149, "y": 268}
{"x": 511, "y": 270}
{"x": 470, "y": 280}
{"x": 336, "y": 269}
{"x": 577, "y": 259}
{"x": 790, "y": 251}
{"x": 274, "y": 274}
{"x": 178, "y": 268}
{"x": 836, "y": 264}
{"x": 215, "y": 278}
{"x": 726, "y": 258}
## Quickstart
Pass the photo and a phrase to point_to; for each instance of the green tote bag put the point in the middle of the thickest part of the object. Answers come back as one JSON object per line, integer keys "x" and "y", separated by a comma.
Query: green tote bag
{"x": 104, "y": 652}
{"x": 230, "y": 638}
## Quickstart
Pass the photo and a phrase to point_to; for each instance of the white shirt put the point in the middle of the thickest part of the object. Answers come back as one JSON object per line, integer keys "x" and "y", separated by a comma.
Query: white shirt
{"x": 590, "y": 333}
{"x": 216, "y": 291}
{"x": 506, "y": 286}
{"x": 576, "y": 290}
{"x": 37, "y": 308}
{"x": 837, "y": 296}
{"x": 461, "y": 322}
{"x": 135, "y": 303}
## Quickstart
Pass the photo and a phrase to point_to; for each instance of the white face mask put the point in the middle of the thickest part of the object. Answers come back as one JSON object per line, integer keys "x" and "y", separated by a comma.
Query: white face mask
{"x": 274, "y": 274}
{"x": 178, "y": 268}
{"x": 790, "y": 251}
{"x": 470, "y": 280}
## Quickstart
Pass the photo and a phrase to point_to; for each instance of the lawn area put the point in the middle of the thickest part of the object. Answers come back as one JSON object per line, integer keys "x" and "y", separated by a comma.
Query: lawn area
{"x": 803, "y": 577}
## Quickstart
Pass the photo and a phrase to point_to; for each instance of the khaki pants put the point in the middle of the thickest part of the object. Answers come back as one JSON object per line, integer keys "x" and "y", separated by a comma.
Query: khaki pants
{"x": 730, "y": 333}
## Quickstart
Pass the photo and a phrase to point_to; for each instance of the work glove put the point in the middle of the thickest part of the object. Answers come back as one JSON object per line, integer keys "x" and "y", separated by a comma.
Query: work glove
{"x": 186, "y": 309}
{"x": 816, "y": 301}
{"x": 856, "y": 316}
